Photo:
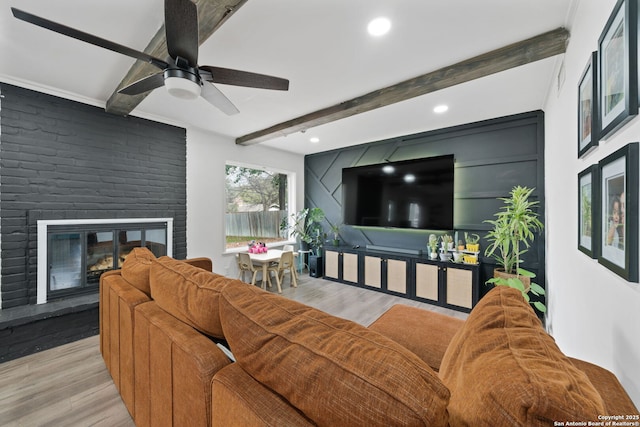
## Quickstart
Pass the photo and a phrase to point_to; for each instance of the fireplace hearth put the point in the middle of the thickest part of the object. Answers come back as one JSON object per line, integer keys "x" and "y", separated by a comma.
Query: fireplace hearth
{"x": 73, "y": 254}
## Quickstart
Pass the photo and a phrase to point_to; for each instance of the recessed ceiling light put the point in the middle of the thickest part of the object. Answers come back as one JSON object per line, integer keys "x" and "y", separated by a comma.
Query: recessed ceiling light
{"x": 409, "y": 178}
{"x": 440, "y": 108}
{"x": 379, "y": 26}
{"x": 314, "y": 139}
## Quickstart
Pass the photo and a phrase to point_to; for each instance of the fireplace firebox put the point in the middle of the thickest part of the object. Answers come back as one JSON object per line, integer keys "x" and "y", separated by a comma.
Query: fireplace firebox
{"x": 74, "y": 254}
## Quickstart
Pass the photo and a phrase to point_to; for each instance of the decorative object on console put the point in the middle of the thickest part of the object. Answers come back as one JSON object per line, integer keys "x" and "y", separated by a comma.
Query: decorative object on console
{"x": 447, "y": 242}
{"x": 472, "y": 240}
{"x": 335, "y": 230}
{"x": 618, "y": 68}
{"x": 516, "y": 225}
{"x": 433, "y": 246}
{"x": 618, "y": 248}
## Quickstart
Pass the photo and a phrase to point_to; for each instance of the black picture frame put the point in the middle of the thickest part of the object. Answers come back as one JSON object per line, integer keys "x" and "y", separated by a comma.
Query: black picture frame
{"x": 588, "y": 132}
{"x": 618, "y": 248}
{"x": 618, "y": 68}
{"x": 589, "y": 211}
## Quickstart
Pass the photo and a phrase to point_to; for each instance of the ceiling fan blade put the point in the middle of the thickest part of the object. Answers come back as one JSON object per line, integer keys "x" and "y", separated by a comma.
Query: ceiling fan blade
{"x": 216, "y": 98}
{"x": 181, "y": 26}
{"x": 86, "y": 37}
{"x": 144, "y": 85}
{"x": 228, "y": 76}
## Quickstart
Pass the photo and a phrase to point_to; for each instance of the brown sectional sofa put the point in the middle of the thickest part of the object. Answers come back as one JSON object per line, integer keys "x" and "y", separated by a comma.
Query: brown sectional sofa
{"x": 161, "y": 321}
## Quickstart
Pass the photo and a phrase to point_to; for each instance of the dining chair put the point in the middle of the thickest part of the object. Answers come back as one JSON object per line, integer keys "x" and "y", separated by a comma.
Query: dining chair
{"x": 285, "y": 263}
{"x": 287, "y": 248}
{"x": 246, "y": 266}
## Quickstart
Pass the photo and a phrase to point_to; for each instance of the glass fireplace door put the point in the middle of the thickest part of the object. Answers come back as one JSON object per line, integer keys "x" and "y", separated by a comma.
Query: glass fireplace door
{"x": 100, "y": 255}
{"x": 65, "y": 261}
{"x": 79, "y": 254}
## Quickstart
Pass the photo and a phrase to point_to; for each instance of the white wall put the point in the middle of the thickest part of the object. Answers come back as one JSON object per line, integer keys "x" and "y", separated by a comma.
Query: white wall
{"x": 206, "y": 157}
{"x": 593, "y": 314}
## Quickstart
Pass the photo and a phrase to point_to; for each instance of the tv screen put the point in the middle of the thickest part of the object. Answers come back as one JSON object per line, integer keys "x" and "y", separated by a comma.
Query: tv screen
{"x": 414, "y": 194}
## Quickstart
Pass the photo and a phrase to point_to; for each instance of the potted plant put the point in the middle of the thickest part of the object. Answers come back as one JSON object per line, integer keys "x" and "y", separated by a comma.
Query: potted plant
{"x": 472, "y": 240}
{"x": 335, "y": 230}
{"x": 447, "y": 242}
{"x": 433, "y": 246}
{"x": 306, "y": 226}
{"x": 513, "y": 231}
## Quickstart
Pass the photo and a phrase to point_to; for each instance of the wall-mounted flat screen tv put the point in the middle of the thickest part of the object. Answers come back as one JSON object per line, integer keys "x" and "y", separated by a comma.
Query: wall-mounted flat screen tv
{"x": 415, "y": 194}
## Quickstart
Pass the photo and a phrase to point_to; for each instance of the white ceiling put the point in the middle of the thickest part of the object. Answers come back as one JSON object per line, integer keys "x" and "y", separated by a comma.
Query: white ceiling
{"x": 321, "y": 46}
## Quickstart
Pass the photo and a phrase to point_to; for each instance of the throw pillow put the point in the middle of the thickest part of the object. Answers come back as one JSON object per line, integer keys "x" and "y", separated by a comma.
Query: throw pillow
{"x": 333, "y": 370}
{"x": 136, "y": 266}
{"x": 502, "y": 368}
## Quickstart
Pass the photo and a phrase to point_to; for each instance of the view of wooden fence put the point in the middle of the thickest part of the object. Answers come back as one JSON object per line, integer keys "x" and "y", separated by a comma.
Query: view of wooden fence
{"x": 254, "y": 224}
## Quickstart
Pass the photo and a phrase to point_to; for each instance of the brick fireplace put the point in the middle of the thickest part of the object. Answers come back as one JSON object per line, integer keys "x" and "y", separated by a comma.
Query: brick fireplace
{"x": 61, "y": 160}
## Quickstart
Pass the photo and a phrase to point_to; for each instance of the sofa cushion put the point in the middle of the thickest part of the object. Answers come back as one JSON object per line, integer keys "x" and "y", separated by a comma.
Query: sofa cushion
{"x": 189, "y": 293}
{"x": 333, "y": 370}
{"x": 424, "y": 332}
{"x": 135, "y": 268}
{"x": 502, "y": 368}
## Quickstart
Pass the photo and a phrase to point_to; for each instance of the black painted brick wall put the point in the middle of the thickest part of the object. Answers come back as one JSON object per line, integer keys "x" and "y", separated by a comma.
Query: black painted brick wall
{"x": 61, "y": 159}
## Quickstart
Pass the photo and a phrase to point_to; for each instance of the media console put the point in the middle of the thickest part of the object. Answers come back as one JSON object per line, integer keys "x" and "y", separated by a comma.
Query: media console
{"x": 405, "y": 274}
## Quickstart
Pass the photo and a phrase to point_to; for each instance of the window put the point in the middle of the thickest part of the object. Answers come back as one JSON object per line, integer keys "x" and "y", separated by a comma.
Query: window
{"x": 257, "y": 201}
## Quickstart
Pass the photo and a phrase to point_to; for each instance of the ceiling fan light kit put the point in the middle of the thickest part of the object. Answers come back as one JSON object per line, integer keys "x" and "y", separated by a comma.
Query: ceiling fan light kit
{"x": 181, "y": 76}
{"x": 182, "y": 84}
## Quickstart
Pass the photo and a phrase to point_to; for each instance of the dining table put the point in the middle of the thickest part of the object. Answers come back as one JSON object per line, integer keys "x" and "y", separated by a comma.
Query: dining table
{"x": 265, "y": 259}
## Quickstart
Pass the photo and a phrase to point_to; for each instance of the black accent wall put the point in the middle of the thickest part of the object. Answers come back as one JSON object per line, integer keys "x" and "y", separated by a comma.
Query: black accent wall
{"x": 61, "y": 159}
{"x": 491, "y": 157}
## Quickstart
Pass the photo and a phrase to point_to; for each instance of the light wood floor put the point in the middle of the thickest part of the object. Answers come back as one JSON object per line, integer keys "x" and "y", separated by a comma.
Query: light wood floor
{"x": 70, "y": 386}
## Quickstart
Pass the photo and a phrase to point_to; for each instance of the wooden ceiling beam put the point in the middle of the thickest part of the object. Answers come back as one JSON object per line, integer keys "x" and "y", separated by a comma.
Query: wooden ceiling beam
{"x": 514, "y": 55}
{"x": 211, "y": 15}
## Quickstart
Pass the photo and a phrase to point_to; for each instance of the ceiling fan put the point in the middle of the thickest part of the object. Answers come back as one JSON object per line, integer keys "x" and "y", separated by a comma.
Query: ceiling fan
{"x": 180, "y": 73}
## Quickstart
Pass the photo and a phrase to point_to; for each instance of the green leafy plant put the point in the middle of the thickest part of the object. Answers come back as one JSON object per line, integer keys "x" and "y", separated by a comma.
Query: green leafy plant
{"x": 433, "y": 243}
{"x": 335, "y": 231}
{"x": 471, "y": 238}
{"x": 306, "y": 225}
{"x": 513, "y": 231}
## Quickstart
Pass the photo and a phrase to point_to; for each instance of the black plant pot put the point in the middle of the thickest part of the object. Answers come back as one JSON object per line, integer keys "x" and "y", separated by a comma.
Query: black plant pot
{"x": 315, "y": 266}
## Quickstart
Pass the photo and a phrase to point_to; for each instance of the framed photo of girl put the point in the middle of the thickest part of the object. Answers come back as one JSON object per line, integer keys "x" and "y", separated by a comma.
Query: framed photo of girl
{"x": 618, "y": 68}
{"x": 588, "y": 211}
{"x": 619, "y": 212}
{"x": 587, "y": 107}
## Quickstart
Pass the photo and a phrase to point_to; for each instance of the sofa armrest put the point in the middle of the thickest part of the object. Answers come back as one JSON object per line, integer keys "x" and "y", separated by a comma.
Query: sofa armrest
{"x": 201, "y": 262}
{"x": 174, "y": 366}
{"x": 425, "y": 333}
{"x": 615, "y": 398}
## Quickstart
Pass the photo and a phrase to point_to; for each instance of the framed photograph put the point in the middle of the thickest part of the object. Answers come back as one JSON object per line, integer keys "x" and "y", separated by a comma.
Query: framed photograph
{"x": 619, "y": 212}
{"x": 587, "y": 107}
{"x": 588, "y": 211}
{"x": 618, "y": 68}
